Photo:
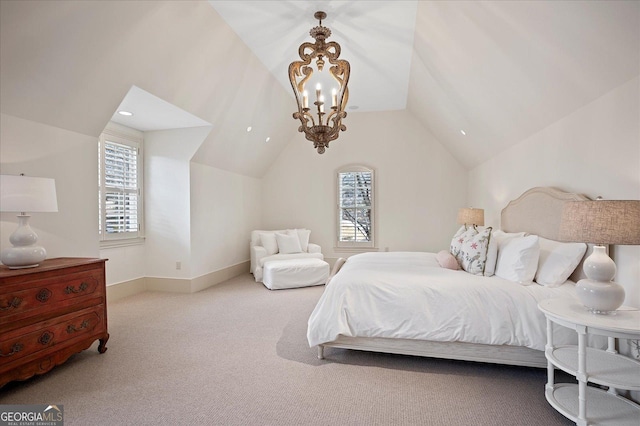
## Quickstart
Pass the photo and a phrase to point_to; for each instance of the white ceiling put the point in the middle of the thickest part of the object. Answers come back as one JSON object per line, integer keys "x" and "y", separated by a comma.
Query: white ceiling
{"x": 499, "y": 70}
{"x": 376, "y": 37}
{"x": 152, "y": 113}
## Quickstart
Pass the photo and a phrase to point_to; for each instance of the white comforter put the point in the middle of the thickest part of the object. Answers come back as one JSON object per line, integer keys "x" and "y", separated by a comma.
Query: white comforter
{"x": 408, "y": 295}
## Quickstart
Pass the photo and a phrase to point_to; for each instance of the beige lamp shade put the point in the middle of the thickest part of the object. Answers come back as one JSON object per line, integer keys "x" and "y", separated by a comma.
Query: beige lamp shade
{"x": 27, "y": 194}
{"x": 471, "y": 216}
{"x": 601, "y": 222}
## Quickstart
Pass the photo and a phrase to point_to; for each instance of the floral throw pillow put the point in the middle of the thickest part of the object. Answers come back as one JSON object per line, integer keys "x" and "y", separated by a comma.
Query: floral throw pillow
{"x": 458, "y": 239}
{"x": 473, "y": 252}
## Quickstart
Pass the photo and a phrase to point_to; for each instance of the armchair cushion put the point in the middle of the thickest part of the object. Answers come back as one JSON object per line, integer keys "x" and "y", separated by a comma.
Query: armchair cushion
{"x": 281, "y": 256}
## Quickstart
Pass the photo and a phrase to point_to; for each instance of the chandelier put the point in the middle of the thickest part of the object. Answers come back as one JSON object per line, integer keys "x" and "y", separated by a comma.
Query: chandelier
{"x": 319, "y": 126}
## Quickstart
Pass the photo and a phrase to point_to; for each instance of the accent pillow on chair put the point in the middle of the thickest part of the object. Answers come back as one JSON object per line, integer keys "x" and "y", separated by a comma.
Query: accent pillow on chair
{"x": 288, "y": 243}
{"x": 303, "y": 235}
{"x": 268, "y": 241}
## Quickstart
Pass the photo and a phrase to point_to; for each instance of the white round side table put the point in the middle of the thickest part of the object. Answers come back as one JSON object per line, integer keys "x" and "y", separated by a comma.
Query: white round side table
{"x": 588, "y": 405}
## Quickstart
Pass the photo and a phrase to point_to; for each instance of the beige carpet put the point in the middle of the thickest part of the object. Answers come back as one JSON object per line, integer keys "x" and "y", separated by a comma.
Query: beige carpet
{"x": 236, "y": 354}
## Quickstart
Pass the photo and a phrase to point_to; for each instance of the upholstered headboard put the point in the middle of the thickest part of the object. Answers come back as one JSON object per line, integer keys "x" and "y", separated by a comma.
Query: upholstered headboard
{"x": 538, "y": 211}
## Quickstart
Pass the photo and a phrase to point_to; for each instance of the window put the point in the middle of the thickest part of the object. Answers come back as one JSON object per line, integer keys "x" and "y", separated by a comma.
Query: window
{"x": 355, "y": 207}
{"x": 120, "y": 177}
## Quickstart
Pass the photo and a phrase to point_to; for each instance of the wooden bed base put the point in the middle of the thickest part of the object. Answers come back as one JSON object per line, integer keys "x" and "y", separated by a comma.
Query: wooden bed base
{"x": 509, "y": 355}
{"x": 536, "y": 211}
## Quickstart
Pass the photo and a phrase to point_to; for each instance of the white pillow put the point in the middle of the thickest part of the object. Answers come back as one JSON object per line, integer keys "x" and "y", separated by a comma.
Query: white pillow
{"x": 558, "y": 261}
{"x": 492, "y": 256}
{"x": 498, "y": 237}
{"x": 473, "y": 253}
{"x": 303, "y": 235}
{"x": 503, "y": 237}
{"x": 518, "y": 259}
{"x": 288, "y": 243}
{"x": 268, "y": 241}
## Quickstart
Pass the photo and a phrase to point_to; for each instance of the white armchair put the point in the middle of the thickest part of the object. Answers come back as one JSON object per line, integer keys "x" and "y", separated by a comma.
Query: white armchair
{"x": 264, "y": 248}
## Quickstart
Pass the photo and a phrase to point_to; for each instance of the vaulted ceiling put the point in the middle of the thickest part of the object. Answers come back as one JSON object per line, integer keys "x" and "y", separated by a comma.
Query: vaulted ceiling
{"x": 500, "y": 71}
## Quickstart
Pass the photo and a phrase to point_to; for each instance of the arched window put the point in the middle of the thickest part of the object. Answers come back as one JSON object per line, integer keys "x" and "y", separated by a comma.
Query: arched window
{"x": 355, "y": 214}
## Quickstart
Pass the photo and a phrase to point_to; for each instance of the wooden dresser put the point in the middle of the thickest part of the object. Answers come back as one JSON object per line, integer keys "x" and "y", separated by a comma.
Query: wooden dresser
{"x": 49, "y": 313}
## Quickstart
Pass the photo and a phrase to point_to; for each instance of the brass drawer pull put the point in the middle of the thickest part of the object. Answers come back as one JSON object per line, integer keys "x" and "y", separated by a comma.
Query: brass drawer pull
{"x": 45, "y": 338}
{"x": 15, "y": 302}
{"x": 70, "y": 289}
{"x": 17, "y": 347}
{"x": 43, "y": 295}
{"x": 72, "y": 328}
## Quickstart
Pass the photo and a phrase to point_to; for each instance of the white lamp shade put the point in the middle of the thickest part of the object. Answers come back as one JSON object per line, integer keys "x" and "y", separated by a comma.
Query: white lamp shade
{"x": 27, "y": 194}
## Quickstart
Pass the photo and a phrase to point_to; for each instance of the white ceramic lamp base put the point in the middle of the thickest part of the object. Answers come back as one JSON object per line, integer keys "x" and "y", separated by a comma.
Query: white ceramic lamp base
{"x": 24, "y": 253}
{"x": 23, "y": 257}
{"x": 598, "y": 293}
{"x": 600, "y": 297}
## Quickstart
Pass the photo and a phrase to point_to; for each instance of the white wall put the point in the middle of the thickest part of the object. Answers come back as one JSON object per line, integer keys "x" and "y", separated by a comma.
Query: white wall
{"x": 37, "y": 149}
{"x": 167, "y": 200}
{"x": 594, "y": 151}
{"x": 419, "y": 185}
{"x": 225, "y": 207}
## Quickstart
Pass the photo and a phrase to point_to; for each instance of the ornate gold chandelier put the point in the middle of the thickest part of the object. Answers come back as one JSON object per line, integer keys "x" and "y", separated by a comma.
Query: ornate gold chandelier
{"x": 316, "y": 127}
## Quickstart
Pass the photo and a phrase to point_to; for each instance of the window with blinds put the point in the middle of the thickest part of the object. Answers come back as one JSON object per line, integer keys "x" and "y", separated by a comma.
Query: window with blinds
{"x": 120, "y": 193}
{"x": 355, "y": 207}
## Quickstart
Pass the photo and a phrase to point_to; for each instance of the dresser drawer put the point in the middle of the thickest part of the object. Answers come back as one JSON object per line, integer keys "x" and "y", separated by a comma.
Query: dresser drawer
{"x": 53, "y": 294}
{"x": 37, "y": 339}
{"x": 50, "y": 312}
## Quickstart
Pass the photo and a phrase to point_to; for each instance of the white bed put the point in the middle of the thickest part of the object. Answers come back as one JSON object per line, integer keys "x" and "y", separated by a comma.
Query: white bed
{"x": 405, "y": 303}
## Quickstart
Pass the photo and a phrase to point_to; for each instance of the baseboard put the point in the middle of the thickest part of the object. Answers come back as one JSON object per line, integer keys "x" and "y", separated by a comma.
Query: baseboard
{"x": 216, "y": 277}
{"x": 125, "y": 289}
{"x": 174, "y": 285}
{"x": 169, "y": 285}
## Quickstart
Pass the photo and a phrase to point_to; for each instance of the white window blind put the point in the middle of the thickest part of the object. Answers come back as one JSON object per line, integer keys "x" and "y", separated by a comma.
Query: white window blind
{"x": 355, "y": 207}
{"x": 120, "y": 195}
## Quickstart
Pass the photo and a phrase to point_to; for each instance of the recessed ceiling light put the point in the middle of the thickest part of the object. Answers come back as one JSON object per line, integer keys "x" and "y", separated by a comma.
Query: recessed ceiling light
{"x": 463, "y": 133}
{"x": 125, "y": 113}
{"x": 268, "y": 139}
{"x": 249, "y": 129}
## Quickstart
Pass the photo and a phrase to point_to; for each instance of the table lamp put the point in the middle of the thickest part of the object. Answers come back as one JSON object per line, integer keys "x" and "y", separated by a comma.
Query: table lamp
{"x": 24, "y": 194}
{"x": 601, "y": 222}
{"x": 471, "y": 216}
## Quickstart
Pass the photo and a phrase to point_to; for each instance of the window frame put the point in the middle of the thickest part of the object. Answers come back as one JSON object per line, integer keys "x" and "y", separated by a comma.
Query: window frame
{"x": 355, "y": 245}
{"x": 120, "y": 135}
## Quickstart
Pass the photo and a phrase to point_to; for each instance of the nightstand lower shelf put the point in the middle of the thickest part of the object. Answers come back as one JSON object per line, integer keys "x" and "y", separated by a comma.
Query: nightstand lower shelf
{"x": 603, "y": 408}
